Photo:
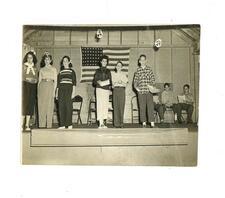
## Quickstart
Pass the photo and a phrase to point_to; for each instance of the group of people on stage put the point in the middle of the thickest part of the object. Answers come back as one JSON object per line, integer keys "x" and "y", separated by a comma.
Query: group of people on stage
{"x": 46, "y": 84}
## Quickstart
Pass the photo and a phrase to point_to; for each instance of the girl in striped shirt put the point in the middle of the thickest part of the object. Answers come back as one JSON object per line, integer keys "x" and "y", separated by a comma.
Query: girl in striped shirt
{"x": 65, "y": 92}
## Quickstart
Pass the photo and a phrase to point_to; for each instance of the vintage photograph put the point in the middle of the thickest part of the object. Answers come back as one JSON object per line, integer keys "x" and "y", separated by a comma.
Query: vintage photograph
{"x": 110, "y": 95}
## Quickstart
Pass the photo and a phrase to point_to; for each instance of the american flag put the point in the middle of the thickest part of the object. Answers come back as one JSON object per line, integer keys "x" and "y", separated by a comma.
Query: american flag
{"x": 92, "y": 55}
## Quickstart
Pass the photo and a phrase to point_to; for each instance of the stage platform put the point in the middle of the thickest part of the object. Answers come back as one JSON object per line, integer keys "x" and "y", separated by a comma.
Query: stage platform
{"x": 109, "y": 137}
{"x": 126, "y": 146}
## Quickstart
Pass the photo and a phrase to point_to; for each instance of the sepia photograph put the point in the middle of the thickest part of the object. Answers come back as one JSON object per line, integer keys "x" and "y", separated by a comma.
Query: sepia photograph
{"x": 124, "y": 95}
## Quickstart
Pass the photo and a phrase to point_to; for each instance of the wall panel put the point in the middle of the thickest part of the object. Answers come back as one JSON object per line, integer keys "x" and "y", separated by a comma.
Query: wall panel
{"x": 163, "y": 65}
{"x": 181, "y": 68}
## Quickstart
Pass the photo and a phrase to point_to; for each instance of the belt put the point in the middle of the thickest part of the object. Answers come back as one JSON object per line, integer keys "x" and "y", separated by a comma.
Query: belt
{"x": 47, "y": 80}
{"x": 31, "y": 80}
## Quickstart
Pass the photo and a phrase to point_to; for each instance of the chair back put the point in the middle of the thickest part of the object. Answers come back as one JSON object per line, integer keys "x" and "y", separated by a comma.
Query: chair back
{"x": 77, "y": 102}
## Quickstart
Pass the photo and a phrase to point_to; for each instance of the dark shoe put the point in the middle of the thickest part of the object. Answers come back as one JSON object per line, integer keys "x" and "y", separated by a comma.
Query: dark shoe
{"x": 189, "y": 122}
{"x": 180, "y": 122}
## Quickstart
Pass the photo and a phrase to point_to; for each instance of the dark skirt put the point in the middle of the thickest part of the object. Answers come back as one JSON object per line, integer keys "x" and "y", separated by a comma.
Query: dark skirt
{"x": 29, "y": 98}
{"x": 65, "y": 104}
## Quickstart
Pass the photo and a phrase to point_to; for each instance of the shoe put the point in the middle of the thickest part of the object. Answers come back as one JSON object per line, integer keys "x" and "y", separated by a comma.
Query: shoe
{"x": 144, "y": 124}
{"x": 180, "y": 122}
{"x": 161, "y": 121}
{"x": 70, "y": 127}
{"x": 27, "y": 128}
{"x": 104, "y": 126}
{"x": 189, "y": 122}
{"x": 101, "y": 126}
{"x": 62, "y": 127}
{"x": 152, "y": 125}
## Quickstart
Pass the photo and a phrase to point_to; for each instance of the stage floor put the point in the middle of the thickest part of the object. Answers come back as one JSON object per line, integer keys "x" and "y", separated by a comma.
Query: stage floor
{"x": 126, "y": 146}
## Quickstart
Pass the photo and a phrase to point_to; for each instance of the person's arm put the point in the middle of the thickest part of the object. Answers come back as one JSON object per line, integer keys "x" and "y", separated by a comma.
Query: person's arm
{"x": 57, "y": 89}
{"x": 124, "y": 80}
{"x": 108, "y": 81}
{"x": 39, "y": 77}
{"x": 189, "y": 99}
{"x": 74, "y": 80}
{"x": 55, "y": 81}
{"x": 96, "y": 78}
{"x": 136, "y": 79}
{"x": 152, "y": 77}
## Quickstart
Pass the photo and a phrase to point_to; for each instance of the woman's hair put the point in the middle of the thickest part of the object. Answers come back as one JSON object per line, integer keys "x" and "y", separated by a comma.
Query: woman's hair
{"x": 42, "y": 63}
{"x": 166, "y": 84}
{"x": 104, "y": 57}
{"x": 33, "y": 55}
{"x": 61, "y": 62}
{"x": 117, "y": 64}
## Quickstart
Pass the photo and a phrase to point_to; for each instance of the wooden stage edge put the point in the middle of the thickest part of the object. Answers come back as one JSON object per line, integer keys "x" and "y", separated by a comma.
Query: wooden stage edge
{"x": 86, "y": 137}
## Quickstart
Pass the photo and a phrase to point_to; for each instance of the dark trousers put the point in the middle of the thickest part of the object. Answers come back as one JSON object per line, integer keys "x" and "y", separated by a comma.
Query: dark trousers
{"x": 118, "y": 106}
{"x": 160, "y": 109}
{"x": 65, "y": 104}
{"x": 188, "y": 108}
{"x": 146, "y": 107}
{"x": 29, "y": 98}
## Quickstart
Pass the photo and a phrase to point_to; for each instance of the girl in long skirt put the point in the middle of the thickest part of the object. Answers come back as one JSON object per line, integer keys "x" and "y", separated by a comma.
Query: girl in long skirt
{"x": 46, "y": 91}
{"x": 102, "y": 82}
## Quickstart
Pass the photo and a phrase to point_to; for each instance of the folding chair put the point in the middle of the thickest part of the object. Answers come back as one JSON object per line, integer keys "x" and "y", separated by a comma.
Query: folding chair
{"x": 91, "y": 110}
{"x": 77, "y": 105}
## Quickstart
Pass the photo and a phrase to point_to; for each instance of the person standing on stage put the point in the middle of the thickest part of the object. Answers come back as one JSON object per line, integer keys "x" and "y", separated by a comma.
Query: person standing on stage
{"x": 30, "y": 79}
{"x": 46, "y": 91}
{"x": 65, "y": 92}
{"x": 102, "y": 82}
{"x": 144, "y": 78}
{"x": 119, "y": 82}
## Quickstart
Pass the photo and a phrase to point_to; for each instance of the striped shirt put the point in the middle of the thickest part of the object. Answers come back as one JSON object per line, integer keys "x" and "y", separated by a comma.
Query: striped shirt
{"x": 66, "y": 76}
{"x": 142, "y": 78}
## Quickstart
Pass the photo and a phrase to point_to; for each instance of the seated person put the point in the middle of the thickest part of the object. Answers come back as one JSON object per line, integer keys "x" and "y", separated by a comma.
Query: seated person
{"x": 158, "y": 107}
{"x": 169, "y": 100}
{"x": 185, "y": 102}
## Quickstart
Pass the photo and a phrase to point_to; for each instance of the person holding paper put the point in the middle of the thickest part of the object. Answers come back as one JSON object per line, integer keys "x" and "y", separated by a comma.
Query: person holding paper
{"x": 102, "y": 82}
{"x": 119, "y": 82}
{"x": 185, "y": 102}
{"x": 142, "y": 79}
